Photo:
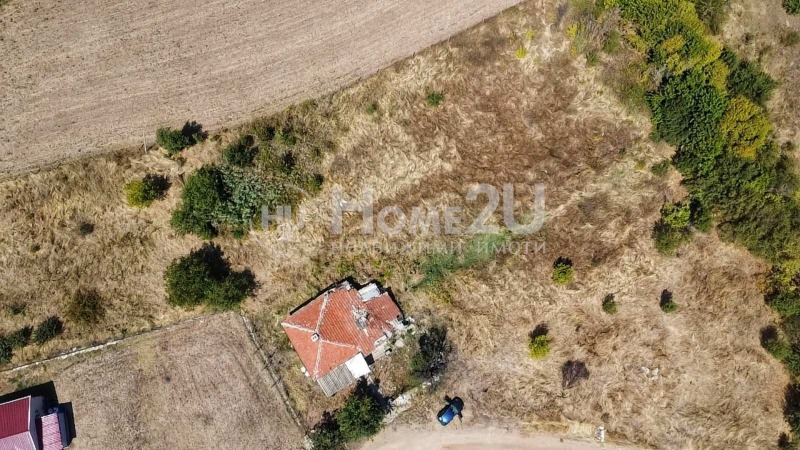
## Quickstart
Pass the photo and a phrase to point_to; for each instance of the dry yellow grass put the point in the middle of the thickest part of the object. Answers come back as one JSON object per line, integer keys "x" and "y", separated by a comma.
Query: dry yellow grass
{"x": 198, "y": 385}
{"x": 504, "y": 119}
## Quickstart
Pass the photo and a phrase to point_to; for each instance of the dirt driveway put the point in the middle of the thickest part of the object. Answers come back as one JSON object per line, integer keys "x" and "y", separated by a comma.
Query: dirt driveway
{"x": 80, "y": 77}
{"x": 477, "y": 439}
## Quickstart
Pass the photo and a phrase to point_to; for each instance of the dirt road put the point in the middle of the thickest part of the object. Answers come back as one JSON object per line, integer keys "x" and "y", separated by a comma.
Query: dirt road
{"x": 81, "y": 77}
{"x": 477, "y": 439}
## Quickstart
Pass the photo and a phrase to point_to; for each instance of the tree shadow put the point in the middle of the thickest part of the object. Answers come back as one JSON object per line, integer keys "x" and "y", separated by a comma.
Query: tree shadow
{"x": 540, "y": 330}
{"x": 666, "y": 298}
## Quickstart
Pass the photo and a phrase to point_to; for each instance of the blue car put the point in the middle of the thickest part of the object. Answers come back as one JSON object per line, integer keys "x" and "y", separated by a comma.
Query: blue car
{"x": 449, "y": 412}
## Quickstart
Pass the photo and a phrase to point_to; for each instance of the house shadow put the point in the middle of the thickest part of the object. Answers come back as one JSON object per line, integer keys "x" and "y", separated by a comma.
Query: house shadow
{"x": 48, "y": 392}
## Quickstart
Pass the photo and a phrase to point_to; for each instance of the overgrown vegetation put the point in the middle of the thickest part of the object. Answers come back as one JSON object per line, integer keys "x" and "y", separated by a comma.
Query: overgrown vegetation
{"x": 563, "y": 272}
{"x": 359, "y": 418}
{"x": 142, "y": 193}
{"x": 173, "y": 141}
{"x": 268, "y": 167}
{"x": 433, "y": 354}
{"x": 205, "y": 277}
{"x": 481, "y": 249}
{"x": 86, "y": 307}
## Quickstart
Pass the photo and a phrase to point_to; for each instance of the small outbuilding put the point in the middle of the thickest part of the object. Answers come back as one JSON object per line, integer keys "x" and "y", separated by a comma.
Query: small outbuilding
{"x": 343, "y": 331}
{"x": 26, "y": 424}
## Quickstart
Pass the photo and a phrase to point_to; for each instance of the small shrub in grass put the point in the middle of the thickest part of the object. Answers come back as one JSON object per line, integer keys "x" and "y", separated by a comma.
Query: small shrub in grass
{"x": 17, "y": 308}
{"x": 790, "y": 38}
{"x": 660, "y": 168}
{"x": 666, "y": 302}
{"x": 792, "y": 7}
{"x": 86, "y": 307}
{"x": 592, "y": 59}
{"x": 204, "y": 276}
{"x": 202, "y": 196}
{"x": 373, "y": 109}
{"x": 48, "y": 329}
{"x": 609, "y": 304}
{"x": 142, "y": 193}
{"x": 173, "y": 141}
{"x": 20, "y": 338}
{"x": 539, "y": 347}
{"x": 360, "y": 417}
{"x": 6, "y": 352}
{"x": 240, "y": 153}
{"x": 612, "y": 43}
{"x": 572, "y": 372}
{"x": 285, "y": 137}
{"x": 774, "y": 344}
{"x": 563, "y": 272}
{"x": 672, "y": 230}
{"x": 434, "y": 98}
{"x": 84, "y": 228}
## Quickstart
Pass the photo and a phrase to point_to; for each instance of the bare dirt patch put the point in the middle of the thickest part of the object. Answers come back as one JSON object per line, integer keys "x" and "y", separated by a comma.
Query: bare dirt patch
{"x": 82, "y": 77}
{"x": 198, "y": 385}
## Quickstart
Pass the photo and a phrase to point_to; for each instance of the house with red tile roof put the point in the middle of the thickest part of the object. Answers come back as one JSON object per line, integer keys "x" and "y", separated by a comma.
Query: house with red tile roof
{"x": 25, "y": 424}
{"x": 342, "y": 331}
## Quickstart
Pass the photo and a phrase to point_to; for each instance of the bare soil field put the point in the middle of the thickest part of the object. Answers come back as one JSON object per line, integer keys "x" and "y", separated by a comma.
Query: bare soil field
{"x": 198, "y": 385}
{"x": 81, "y": 77}
{"x": 696, "y": 378}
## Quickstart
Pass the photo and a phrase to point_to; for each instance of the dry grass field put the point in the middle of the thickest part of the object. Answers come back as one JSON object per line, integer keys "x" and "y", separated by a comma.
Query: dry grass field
{"x": 82, "y": 77}
{"x": 198, "y": 385}
{"x": 696, "y": 378}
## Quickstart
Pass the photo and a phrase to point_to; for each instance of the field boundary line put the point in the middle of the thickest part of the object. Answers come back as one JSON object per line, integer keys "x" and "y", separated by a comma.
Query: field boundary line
{"x": 106, "y": 344}
{"x": 277, "y": 383}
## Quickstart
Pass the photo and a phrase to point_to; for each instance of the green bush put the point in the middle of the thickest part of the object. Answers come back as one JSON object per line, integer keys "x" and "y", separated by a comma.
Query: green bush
{"x": 86, "y": 307}
{"x": 612, "y": 43}
{"x": 202, "y": 196}
{"x": 660, "y": 168}
{"x": 609, "y": 304}
{"x": 20, "y": 338}
{"x": 773, "y": 344}
{"x": 205, "y": 277}
{"x": 360, "y": 417}
{"x": 562, "y": 271}
{"x": 173, "y": 141}
{"x": 433, "y": 355}
{"x": 792, "y": 6}
{"x": 745, "y": 127}
{"x": 539, "y": 347}
{"x": 749, "y": 80}
{"x": 434, "y": 98}
{"x": 241, "y": 152}
{"x": 666, "y": 302}
{"x": 48, "y": 329}
{"x": 142, "y": 193}
{"x": 285, "y": 136}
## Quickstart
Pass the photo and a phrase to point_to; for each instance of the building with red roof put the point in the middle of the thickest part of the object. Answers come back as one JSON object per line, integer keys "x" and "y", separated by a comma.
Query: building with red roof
{"x": 25, "y": 424}
{"x": 342, "y": 331}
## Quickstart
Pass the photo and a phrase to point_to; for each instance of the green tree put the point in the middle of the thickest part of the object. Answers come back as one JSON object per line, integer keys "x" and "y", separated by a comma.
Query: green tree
{"x": 204, "y": 276}
{"x": 173, "y": 141}
{"x": 745, "y": 127}
{"x": 202, "y": 197}
{"x": 360, "y": 417}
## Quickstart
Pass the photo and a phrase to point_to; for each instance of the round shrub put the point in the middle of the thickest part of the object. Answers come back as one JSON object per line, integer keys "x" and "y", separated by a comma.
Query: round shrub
{"x": 360, "y": 417}
{"x": 142, "y": 193}
{"x": 539, "y": 347}
{"x": 609, "y": 304}
{"x": 562, "y": 271}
